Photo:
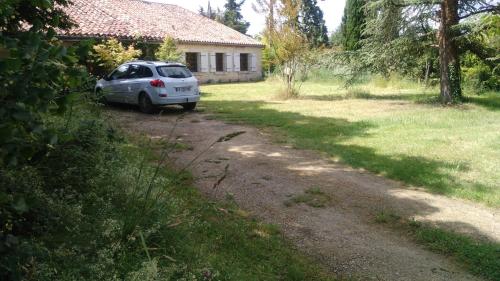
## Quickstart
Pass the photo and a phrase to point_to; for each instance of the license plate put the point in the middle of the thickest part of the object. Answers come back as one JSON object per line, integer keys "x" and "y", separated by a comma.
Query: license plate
{"x": 182, "y": 89}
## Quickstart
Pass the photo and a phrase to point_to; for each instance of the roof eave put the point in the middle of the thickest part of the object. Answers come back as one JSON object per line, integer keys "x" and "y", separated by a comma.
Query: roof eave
{"x": 155, "y": 40}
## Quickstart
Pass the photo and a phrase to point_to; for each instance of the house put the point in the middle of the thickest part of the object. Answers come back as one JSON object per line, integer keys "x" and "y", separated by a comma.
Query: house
{"x": 213, "y": 51}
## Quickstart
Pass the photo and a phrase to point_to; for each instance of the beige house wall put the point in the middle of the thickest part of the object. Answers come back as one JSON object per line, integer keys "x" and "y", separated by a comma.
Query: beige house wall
{"x": 208, "y": 73}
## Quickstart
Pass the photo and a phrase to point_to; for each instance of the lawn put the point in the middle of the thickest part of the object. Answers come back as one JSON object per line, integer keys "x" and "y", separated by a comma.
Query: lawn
{"x": 396, "y": 130}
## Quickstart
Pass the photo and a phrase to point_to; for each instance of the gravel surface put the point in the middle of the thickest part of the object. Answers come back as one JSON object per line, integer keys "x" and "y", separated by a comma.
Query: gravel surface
{"x": 262, "y": 176}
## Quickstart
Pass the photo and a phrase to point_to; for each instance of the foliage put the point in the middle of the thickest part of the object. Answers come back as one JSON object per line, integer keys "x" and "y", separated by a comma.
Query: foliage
{"x": 312, "y": 24}
{"x": 232, "y": 16}
{"x": 288, "y": 44}
{"x": 37, "y": 74}
{"x": 111, "y": 53}
{"x": 353, "y": 23}
{"x": 217, "y": 15}
{"x": 400, "y": 36}
{"x": 168, "y": 51}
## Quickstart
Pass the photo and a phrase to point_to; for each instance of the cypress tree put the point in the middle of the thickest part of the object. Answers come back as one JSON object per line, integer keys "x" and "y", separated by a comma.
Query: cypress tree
{"x": 232, "y": 16}
{"x": 352, "y": 25}
{"x": 312, "y": 23}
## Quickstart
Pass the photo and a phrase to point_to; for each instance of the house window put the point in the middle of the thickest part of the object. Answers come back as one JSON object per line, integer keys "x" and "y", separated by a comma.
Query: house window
{"x": 219, "y": 62}
{"x": 243, "y": 62}
{"x": 192, "y": 61}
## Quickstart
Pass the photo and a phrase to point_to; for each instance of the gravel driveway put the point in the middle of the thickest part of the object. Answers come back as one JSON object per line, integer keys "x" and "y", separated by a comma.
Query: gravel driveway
{"x": 266, "y": 179}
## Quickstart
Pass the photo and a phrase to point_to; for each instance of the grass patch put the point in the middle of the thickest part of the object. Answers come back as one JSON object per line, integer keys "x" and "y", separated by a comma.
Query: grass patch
{"x": 387, "y": 217}
{"x": 396, "y": 130}
{"x": 481, "y": 258}
{"x": 312, "y": 197}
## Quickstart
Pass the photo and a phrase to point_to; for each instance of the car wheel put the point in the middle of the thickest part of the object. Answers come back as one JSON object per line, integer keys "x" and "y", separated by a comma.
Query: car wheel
{"x": 189, "y": 106}
{"x": 145, "y": 104}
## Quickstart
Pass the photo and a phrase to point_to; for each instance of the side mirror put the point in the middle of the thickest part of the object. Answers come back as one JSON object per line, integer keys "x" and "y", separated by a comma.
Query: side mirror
{"x": 108, "y": 77}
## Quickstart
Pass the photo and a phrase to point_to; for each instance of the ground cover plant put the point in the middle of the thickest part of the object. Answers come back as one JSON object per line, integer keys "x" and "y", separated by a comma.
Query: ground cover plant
{"x": 390, "y": 127}
{"x": 101, "y": 206}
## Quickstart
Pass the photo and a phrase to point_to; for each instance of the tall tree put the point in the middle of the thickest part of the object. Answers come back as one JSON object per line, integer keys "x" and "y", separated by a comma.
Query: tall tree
{"x": 312, "y": 23}
{"x": 288, "y": 43}
{"x": 451, "y": 18}
{"x": 268, "y": 8}
{"x": 210, "y": 13}
{"x": 352, "y": 24}
{"x": 232, "y": 16}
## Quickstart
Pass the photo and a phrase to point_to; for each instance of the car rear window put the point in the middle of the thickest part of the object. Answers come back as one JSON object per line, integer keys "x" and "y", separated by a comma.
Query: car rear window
{"x": 174, "y": 71}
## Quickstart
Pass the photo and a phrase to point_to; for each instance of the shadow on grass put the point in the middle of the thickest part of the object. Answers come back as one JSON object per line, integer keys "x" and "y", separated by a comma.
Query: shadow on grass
{"x": 327, "y": 135}
{"x": 414, "y": 97}
{"x": 489, "y": 101}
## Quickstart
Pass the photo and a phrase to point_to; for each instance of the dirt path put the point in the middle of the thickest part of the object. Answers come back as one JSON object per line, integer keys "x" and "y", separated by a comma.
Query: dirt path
{"x": 262, "y": 176}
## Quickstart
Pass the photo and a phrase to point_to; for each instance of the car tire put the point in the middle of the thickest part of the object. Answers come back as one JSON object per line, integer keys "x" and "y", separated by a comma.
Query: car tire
{"x": 145, "y": 104}
{"x": 189, "y": 106}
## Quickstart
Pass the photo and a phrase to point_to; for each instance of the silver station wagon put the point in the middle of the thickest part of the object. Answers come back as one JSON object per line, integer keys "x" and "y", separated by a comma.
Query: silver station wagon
{"x": 150, "y": 84}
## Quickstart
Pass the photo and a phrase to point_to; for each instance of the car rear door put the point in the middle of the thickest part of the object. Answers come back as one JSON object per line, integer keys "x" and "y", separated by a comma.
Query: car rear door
{"x": 138, "y": 77}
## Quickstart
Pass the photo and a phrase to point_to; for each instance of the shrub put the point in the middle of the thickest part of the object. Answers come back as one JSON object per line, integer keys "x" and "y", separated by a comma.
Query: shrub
{"x": 168, "y": 51}
{"x": 110, "y": 54}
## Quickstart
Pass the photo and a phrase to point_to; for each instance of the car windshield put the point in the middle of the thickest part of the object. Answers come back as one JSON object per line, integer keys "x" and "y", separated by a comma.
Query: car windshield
{"x": 174, "y": 71}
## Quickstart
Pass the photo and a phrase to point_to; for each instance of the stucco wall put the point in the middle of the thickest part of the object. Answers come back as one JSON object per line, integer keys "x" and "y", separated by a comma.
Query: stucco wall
{"x": 209, "y": 75}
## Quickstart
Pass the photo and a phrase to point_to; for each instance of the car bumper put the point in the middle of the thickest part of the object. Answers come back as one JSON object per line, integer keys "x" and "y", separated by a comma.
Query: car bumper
{"x": 176, "y": 100}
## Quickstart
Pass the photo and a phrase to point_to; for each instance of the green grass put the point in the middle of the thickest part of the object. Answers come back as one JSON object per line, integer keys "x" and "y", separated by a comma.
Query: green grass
{"x": 313, "y": 197}
{"x": 396, "y": 130}
{"x": 481, "y": 258}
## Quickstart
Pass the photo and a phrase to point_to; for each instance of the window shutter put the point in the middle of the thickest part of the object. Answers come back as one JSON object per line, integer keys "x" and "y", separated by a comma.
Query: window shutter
{"x": 213, "y": 65}
{"x": 204, "y": 62}
{"x": 253, "y": 62}
{"x": 229, "y": 62}
{"x": 236, "y": 62}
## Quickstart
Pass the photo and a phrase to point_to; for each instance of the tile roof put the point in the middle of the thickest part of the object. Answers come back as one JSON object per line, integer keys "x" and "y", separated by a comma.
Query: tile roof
{"x": 127, "y": 19}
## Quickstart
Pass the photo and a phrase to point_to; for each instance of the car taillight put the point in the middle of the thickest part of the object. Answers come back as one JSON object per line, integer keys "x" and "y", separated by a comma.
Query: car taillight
{"x": 157, "y": 83}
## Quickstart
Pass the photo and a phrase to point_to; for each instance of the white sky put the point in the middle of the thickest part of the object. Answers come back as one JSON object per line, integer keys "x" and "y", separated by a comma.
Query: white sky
{"x": 332, "y": 11}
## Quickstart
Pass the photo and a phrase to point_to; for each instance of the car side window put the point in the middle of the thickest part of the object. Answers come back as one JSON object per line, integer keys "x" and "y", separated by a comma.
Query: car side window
{"x": 146, "y": 72}
{"x": 134, "y": 72}
{"x": 120, "y": 73}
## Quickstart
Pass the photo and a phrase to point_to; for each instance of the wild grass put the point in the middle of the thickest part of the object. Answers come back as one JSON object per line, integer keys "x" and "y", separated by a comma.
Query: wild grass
{"x": 397, "y": 130}
{"x": 107, "y": 206}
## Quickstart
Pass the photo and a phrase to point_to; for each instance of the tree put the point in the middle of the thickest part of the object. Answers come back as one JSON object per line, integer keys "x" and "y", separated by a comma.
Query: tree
{"x": 352, "y": 24}
{"x": 36, "y": 74}
{"x": 211, "y": 14}
{"x": 111, "y": 53}
{"x": 450, "y": 16}
{"x": 312, "y": 23}
{"x": 168, "y": 51}
{"x": 288, "y": 43}
{"x": 232, "y": 16}
{"x": 268, "y": 8}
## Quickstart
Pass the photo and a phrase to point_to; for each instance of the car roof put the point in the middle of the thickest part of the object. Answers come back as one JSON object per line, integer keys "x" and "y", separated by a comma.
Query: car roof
{"x": 155, "y": 63}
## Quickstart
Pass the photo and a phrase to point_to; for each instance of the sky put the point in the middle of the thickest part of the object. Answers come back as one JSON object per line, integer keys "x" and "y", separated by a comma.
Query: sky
{"x": 332, "y": 11}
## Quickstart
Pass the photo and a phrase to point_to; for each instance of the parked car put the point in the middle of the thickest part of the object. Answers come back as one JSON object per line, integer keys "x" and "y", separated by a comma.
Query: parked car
{"x": 150, "y": 84}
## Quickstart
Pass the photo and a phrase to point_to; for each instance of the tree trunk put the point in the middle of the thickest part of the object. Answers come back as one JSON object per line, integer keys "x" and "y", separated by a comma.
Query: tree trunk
{"x": 427, "y": 72}
{"x": 448, "y": 53}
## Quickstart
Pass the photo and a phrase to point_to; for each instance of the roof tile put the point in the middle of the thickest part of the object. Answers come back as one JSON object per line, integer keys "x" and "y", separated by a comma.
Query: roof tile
{"x": 128, "y": 19}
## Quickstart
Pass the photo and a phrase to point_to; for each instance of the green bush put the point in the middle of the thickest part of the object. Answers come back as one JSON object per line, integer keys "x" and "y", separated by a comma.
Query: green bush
{"x": 168, "y": 51}
{"x": 481, "y": 78}
{"x": 110, "y": 54}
